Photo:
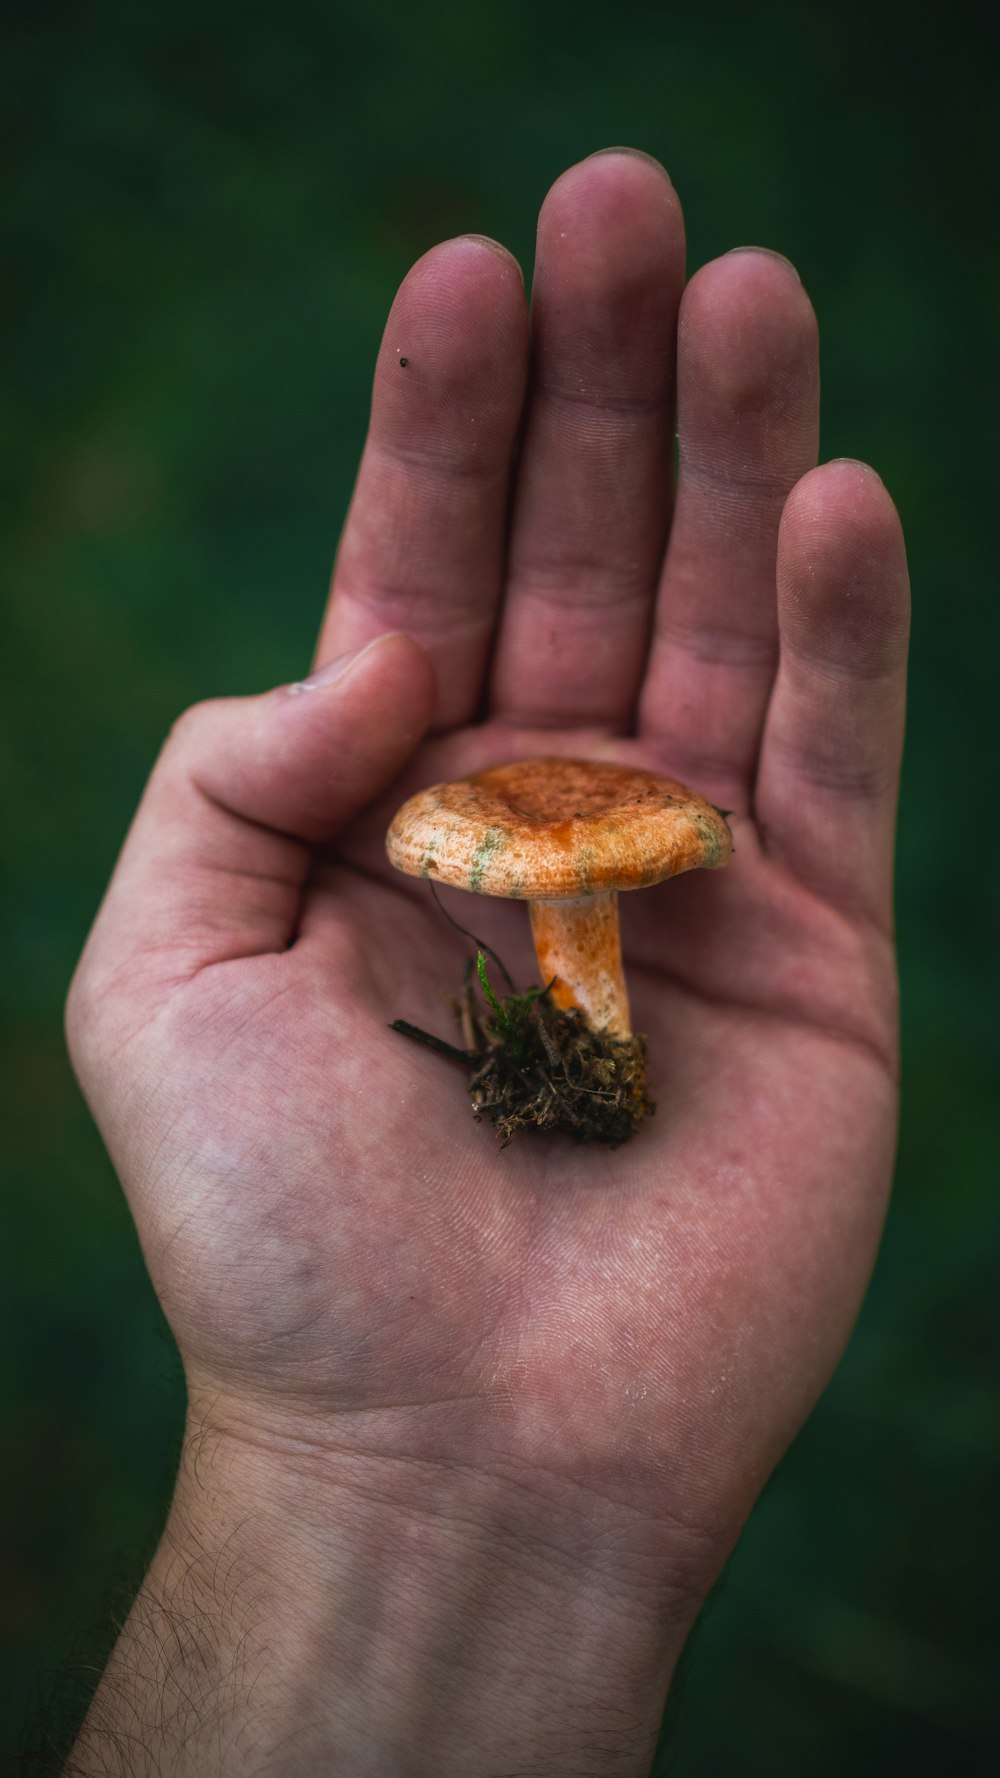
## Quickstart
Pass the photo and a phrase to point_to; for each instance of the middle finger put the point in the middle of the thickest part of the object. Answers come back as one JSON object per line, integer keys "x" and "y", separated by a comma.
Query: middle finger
{"x": 592, "y": 500}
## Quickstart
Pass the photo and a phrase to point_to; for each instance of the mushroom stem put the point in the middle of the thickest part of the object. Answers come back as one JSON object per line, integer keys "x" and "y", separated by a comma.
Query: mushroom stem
{"x": 577, "y": 943}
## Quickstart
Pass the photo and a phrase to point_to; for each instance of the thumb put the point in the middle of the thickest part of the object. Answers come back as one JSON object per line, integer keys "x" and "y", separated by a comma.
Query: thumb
{"x": 220, "y": 847}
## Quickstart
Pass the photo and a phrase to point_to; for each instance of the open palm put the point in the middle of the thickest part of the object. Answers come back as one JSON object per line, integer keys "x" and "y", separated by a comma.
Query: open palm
{"x": 336, "y": 1243}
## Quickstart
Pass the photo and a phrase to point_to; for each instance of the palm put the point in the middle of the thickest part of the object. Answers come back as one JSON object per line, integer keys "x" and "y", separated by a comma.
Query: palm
{"x": 560, "y": 1304}
{"x": 751, "y": 1202}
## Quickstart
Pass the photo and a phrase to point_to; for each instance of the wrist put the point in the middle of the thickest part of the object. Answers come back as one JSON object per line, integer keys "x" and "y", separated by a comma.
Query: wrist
{"x": 351, "y": 1607}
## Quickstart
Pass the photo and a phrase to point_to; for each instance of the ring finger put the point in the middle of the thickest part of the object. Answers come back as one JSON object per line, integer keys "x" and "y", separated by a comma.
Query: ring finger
{"x": 748, "y": 425}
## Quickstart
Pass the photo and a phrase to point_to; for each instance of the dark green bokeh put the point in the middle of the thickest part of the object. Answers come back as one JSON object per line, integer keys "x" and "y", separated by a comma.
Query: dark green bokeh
{"x": 208, "y": 209}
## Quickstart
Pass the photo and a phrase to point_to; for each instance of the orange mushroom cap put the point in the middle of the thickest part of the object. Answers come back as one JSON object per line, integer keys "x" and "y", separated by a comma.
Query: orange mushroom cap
{"x": 544, "y": 829}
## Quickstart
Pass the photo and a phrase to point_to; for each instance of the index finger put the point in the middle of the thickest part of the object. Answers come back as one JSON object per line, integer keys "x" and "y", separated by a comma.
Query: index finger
{"x": 423, "y": 545}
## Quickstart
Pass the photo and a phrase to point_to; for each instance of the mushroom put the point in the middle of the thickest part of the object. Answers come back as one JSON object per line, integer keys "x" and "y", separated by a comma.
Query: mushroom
{"x": 564, "y": 835}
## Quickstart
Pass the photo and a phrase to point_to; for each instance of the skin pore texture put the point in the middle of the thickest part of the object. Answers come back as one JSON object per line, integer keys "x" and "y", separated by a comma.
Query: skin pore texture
{"x": 470, "y": 1433}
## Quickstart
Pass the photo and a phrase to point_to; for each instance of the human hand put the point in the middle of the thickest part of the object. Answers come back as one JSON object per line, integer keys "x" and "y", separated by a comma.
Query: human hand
{"x": 603, "y": 1353}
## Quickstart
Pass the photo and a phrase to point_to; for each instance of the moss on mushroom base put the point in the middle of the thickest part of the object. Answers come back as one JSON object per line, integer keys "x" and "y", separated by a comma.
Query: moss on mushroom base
{"x": 536, "y": 1065}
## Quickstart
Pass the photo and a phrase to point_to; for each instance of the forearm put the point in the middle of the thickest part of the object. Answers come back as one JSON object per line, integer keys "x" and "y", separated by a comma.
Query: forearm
{"x": 365, "y": 1616}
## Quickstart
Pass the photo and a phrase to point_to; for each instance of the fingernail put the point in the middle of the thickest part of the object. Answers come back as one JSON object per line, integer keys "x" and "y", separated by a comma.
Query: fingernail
{"x": 497, "y": 247}
{"x": 858, "y": 464}
{"x": 769, "y": 253}
{"x": 333, "y": 670}
{"x": 638, "y": 154}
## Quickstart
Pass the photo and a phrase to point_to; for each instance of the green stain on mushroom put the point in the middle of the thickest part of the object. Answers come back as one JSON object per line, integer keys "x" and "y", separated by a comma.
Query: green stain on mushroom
{"x": 492, "y": 842}
{"x": 586, "y": 858}
{"x": 714, "y": 841}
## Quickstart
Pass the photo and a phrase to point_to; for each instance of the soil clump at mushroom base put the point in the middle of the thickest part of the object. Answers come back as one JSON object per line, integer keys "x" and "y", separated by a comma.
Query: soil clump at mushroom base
{"x": 534, "y": 1065}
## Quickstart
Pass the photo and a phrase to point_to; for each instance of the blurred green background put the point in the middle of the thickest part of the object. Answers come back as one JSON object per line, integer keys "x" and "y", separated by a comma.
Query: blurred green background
{"x": 207, "y": 210}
